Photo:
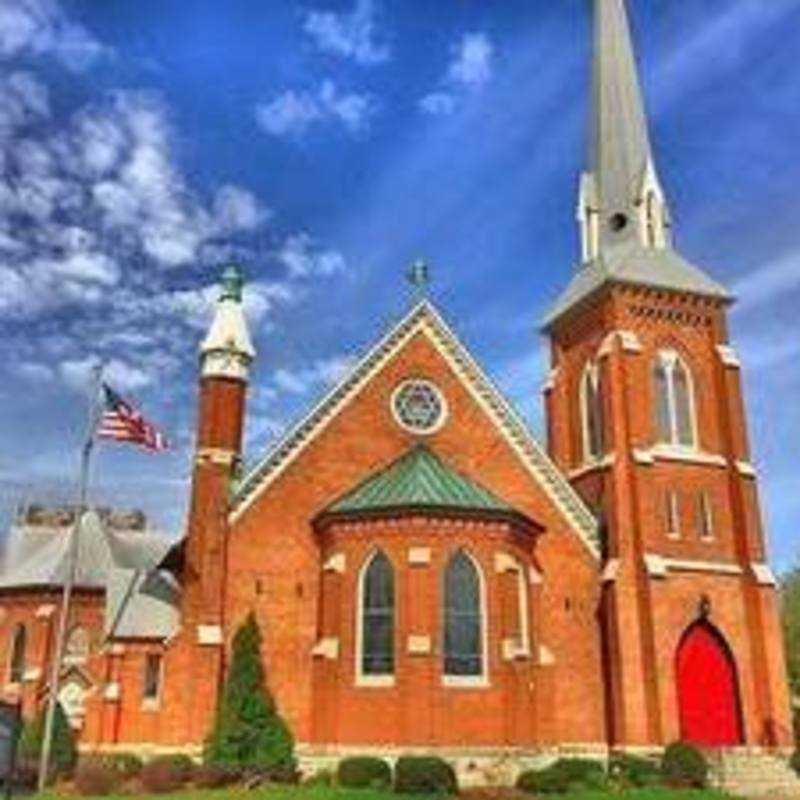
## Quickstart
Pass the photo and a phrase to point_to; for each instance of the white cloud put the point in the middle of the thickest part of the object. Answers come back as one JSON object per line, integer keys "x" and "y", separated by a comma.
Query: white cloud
{"x": 77, "y": 374}
{"x": 470, "y": 70}
{"x": 769, "y": 283}
{"x": 293, "y": 113}
{"x": 40, "y": 27}
{"x": 237, "y": 209}
{"x": 323, "y": 372}
{"x": 350, "y": 35}
{"x": 303, "y": 259}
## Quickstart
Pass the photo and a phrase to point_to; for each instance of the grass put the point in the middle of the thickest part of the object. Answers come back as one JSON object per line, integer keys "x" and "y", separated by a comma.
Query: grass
{"x": 318, "y": 792}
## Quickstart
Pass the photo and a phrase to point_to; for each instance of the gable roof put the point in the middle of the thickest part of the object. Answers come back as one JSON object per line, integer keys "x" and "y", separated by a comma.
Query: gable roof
{"x": 419, "y": 479}
{"x": 424, "y": 318}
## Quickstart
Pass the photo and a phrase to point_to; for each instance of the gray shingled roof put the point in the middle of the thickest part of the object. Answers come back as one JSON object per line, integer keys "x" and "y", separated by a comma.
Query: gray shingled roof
{"x": 40, "y": 557}
{"x": 633, "y": 264}
{"x": 141, "y": 604}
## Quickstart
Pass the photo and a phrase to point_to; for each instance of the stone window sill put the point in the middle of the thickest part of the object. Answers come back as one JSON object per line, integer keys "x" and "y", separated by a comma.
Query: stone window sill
{"x": 375, "y": 681}
{"x": 465, "y": 682}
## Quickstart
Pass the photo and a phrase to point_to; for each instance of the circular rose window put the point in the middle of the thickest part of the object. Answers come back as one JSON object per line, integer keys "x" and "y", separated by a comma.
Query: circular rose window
{"x": 419, "y": 406}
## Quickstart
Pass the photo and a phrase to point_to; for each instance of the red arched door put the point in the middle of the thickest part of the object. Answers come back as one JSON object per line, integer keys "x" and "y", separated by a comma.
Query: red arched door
{"x": 708, "y": 690}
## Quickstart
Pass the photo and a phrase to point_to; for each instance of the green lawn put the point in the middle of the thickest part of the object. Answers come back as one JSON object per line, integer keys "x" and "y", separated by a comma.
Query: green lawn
{"x": 330, "y": 793}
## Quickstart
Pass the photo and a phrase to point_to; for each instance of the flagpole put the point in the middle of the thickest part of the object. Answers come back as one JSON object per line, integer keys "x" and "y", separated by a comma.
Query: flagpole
{"x": 69, "y": 580}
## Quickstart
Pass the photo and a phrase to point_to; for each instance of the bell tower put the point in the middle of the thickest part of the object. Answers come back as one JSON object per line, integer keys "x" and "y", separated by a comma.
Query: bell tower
{"x": 646, "y": 416}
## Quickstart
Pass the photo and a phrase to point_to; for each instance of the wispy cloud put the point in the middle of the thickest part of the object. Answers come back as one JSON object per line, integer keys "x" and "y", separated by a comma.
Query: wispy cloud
{"x": 41, "y": 28}
{"x": 323, "y": 372}
{"x": 350, "y": 35}
{"x": 293, "y": 113}
{"x": 470, "y": 69}
{"x": 767, "y": 284}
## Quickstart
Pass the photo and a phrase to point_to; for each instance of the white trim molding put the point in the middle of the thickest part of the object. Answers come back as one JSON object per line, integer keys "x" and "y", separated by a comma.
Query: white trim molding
{"x": 31, "y": 674}
{"x": 335, "y": 563}
{"x": 111, "y": 692}
{"x": 728, "y": 356}
{"x": 607, "y": 461}
{"x": 45, "y": 611}
{"x": 686, "y": 455}
{"x": 419, "y": 556}
{"x": 611, "y": 570}
{"x": 546, "y": 657}
{"x": 419, "y": 645}
{"x": 327, "y": 647}
{"x": 658, "y": 566}
{"x": 628, "y": 340}
{"x": 763, "y": 574}
{"x": 746, "y": 469}
{"x": 209, "y": 635}
{"x": 535, "y": 578}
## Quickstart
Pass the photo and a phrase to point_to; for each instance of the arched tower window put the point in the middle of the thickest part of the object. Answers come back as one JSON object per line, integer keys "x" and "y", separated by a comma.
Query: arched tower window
{"x": 377, "y": 617}
{"x": 675, "y": 417}
{"x": 464, "y": 644}
{"x": 592, "y": 413}
{"x": 19, "y": 643}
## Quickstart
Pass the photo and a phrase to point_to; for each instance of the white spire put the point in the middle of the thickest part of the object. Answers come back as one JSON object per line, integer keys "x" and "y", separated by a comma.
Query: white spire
{"x": 621, "y": 198}
{"x": 227, "y": 351}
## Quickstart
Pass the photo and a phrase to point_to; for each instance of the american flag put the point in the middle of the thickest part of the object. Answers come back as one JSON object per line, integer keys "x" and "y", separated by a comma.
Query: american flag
{"x": 121, "y": 422}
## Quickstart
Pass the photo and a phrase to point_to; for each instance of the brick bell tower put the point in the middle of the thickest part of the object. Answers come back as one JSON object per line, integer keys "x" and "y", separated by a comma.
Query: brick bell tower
{"x": 645, "y": 415}
{"x": 225, "y": 358}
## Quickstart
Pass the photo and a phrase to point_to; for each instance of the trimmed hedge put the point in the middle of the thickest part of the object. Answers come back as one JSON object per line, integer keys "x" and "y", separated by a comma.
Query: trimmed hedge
{"x": 562, "y": 776}
{"x": 424, "y": 775}
{"x": 364, "y": 772}
{"x": 684, "y": 766}
{"x": 634, "y": 771}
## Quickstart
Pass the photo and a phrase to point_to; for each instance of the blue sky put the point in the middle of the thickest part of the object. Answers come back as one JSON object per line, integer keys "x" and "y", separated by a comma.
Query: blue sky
{"x": 328, "y": 144}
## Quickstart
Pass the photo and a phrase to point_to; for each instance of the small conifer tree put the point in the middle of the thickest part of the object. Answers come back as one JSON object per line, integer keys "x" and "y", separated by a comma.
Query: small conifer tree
{"x": 63, "y": 752}
{"x": 249, "y": 731}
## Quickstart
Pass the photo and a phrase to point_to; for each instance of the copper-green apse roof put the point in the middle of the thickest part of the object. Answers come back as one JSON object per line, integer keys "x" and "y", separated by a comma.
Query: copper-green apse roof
{"x": 418, "y": 480}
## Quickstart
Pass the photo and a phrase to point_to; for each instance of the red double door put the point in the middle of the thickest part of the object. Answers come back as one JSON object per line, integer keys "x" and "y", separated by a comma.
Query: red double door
{"x": 708, "y": 689}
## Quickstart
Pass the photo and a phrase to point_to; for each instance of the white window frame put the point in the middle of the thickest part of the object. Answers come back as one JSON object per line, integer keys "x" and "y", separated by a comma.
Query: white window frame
{"x": 361, "y": 678}
{"x": 153, "y": 703}
{"x": 467, "y": 681}
{"x": 669, "y": 359}
{"x": 673, "y": 510}
{"x": 706, "y": 516}
{"x": 591, "y": 374}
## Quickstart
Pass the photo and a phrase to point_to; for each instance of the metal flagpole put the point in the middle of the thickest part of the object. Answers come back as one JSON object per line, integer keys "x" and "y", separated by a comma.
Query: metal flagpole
{"x": 69, "y": 580}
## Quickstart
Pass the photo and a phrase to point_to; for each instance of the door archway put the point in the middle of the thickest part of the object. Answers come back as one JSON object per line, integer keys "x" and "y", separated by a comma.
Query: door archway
{"x": 708, "y": 688}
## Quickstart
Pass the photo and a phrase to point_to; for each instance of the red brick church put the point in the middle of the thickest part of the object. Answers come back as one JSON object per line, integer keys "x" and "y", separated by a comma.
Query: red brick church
{"x": 425, "y": 573}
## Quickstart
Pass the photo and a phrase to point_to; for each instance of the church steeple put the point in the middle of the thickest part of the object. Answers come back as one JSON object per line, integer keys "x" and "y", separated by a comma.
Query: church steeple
{"x": 625, "y": 224}
{"x": 620, "y": 198}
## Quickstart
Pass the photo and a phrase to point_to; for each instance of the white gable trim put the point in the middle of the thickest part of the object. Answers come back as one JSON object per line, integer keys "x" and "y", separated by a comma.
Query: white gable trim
{"x": 424, "y": 318}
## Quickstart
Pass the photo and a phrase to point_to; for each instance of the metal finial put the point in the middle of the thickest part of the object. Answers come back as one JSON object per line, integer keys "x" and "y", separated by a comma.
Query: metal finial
{"x": 419, "y": 277}
{"x": 232, "y": 283}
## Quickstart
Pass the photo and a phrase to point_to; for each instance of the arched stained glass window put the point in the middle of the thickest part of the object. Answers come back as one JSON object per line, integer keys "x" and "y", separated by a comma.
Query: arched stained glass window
{"x": 463, "y": 626}
{"x": 377, "y": 617}
{"x": 675, "y": 420}
{"x": 19, "y": 642}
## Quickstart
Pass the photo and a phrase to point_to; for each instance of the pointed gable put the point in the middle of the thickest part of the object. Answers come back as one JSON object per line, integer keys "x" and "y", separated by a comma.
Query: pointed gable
{"x": 424, "y": 319}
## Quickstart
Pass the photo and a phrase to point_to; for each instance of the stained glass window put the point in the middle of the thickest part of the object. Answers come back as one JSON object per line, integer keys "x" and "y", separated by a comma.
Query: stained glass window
{"x": 419, "y": 406}
{"x": 377, "y": 599}
{"x": 463, "y": 637}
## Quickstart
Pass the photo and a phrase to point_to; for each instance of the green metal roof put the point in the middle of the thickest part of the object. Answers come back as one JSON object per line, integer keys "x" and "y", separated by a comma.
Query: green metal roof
{"x": 418, "y": 480}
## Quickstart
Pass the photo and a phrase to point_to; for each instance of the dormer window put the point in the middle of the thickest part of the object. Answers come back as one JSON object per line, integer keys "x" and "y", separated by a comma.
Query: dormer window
{"x": 675, "y": 415}
{"x": 592, "y": 423}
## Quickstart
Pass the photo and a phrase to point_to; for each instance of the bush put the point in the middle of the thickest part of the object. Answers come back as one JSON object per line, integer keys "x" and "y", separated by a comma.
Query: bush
{"x": 127, "y": 764}
{"x": 634, "y": 771}
{"x": 63, "y": 753}
{"x": 562, "y": 776}
{"x": 165, "y": 774}
{"x": 794, "y": 761}
{"x": 248, "y": 730}
{"x": 684, "y": 766}
{"x": 97, "y": 777}
{"x": 214, "y": 776}
{"x": 364, "y": 772}
{"x": 424, "y": 775}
